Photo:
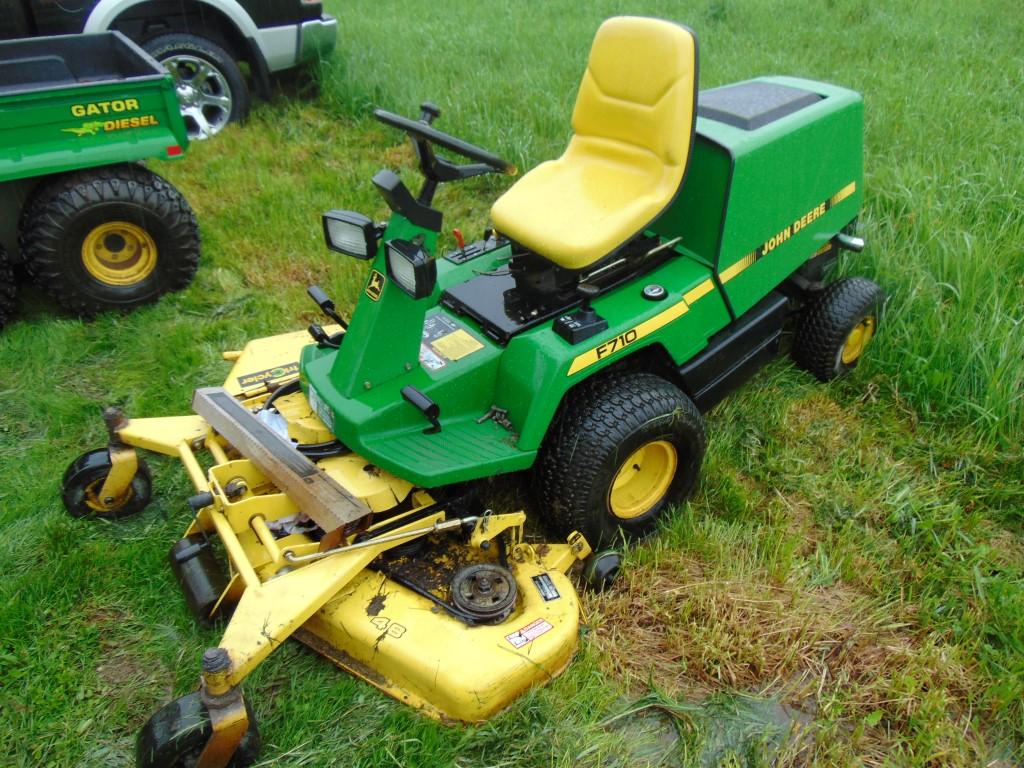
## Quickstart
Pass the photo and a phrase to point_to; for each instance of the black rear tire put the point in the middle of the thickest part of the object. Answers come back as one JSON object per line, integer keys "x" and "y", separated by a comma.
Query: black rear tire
{"x": 109, "y": 238}
{"x": 175, "y": 735}
{"x": 622, "y": 450}
{"x": 211, "y": 87}
{"x": 836, "y": 326}
{"x": 7, "y": 289}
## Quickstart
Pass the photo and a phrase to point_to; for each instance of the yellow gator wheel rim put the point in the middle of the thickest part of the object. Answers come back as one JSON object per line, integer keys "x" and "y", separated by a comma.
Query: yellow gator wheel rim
{"x": 119, "y": 253}
{"x": 858, "y": 340}
{"x": 643, "y": 479}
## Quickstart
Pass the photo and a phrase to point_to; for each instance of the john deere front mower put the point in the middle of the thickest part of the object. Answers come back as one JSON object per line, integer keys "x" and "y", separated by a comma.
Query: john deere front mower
{"x": 627, "y": 287}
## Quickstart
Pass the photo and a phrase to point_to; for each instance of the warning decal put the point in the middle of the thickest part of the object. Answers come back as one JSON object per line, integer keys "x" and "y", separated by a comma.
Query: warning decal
{"x": 445, "y": 341}
{"x": 529, "y": 633}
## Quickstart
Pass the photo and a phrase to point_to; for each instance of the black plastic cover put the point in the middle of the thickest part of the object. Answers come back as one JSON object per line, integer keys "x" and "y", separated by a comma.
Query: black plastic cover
{"x": 752, "y": 105}
{"x": 735, "y": 353}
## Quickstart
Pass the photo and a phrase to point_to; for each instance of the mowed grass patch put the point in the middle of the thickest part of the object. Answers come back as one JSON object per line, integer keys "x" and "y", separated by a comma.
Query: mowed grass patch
{"x": 854, "y": 551}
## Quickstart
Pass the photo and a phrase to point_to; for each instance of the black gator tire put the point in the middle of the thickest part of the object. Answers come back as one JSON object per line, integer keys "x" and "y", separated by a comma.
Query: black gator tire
{"x": 8, "y": 289}
{"x": 65, "y": 212}
{"x": 176, "y": 734}
{"x": 828, "y": 323}
{"x": 600, "y": 425}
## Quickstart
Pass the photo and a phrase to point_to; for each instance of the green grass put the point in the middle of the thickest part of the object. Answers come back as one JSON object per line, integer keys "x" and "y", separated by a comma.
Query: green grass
{"x": 855, "y": 551}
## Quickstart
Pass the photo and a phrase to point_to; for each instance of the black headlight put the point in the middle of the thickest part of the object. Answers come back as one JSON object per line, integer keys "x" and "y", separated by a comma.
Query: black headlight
{"x": 411, "y": 268}
{"x": 351, "y": 233}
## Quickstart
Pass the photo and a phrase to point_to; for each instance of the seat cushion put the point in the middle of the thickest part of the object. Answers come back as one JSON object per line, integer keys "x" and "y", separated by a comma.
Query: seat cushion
{"x": 633, "y": 125}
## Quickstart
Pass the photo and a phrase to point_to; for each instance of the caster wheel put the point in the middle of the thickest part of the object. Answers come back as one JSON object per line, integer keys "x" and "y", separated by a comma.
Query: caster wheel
{"x": 84, "y": 479}
{"x": 176, "y": 734}
{"x": 601, "y": 569}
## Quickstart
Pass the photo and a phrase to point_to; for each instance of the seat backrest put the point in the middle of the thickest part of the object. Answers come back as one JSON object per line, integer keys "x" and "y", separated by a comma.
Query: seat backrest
{"x": 640, "y": 89}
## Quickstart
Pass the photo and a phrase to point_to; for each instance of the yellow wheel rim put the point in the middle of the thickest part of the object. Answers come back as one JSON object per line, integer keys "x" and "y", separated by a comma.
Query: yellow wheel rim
{"x": 94, "y": 502}
{"x": 858, "y": 339}
{"x": 119, "y": 253}
{"x": 643, "y": 479}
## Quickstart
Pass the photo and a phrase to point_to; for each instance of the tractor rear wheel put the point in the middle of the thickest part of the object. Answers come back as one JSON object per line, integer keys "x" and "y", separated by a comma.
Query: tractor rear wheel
{"x": 7, "y": 288}
{"x": 836, "y": 327}
{"x": 623, "y": 449}
{"x": 176, "y": 734}
{"x": 109, "y": 238}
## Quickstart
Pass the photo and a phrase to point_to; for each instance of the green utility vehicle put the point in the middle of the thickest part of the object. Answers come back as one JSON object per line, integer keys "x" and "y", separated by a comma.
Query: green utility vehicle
{"x": 626, "y": 288}
{"x": 93, "y": 227}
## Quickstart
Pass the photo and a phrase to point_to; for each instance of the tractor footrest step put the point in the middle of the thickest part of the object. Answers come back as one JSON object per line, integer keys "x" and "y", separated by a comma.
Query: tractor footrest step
{"x": 328, "y": 504}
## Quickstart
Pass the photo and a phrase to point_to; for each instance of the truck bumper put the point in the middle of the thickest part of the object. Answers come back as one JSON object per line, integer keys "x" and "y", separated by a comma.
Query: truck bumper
{"x": 318, "y": 38}
{"x": 292, "y": 44}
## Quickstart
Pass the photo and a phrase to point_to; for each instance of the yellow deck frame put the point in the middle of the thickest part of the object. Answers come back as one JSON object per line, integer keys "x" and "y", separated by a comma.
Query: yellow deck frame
{"x": 372, "y": 626}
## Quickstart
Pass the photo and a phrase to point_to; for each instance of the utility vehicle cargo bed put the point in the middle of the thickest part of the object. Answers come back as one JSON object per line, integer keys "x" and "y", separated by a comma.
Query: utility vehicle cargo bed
{"x": 79, "y": 101}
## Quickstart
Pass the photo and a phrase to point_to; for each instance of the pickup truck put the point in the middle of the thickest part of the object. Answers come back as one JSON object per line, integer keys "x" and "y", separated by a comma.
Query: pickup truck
{"x": 93, "y": 227}
{"x": 201, "y": 42}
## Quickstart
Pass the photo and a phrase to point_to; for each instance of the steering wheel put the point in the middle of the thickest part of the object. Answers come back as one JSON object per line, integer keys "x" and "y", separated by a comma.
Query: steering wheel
{"x": 435, "y": 168}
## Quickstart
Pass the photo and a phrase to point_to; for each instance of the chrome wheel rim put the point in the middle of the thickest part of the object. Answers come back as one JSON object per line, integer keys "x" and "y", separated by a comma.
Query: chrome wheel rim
{"x": 204, "y": 94}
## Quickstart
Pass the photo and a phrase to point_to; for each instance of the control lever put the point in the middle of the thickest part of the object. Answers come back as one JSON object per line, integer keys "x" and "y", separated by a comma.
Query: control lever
{"x": 317, "y": 294}
{"x": 424, "y": 405}
{"x": 429, "y": 111}
{"x": 320, "y": 336}
{"x": 584, "y": 322}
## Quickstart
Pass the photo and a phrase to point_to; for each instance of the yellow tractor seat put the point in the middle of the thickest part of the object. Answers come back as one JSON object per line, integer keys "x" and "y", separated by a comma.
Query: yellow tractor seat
{"x": 633, "y": 129}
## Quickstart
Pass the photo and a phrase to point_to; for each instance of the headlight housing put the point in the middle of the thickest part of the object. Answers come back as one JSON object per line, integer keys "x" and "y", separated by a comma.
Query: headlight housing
{"x": 411, "y": 268}
{"x": 351, "y": 233}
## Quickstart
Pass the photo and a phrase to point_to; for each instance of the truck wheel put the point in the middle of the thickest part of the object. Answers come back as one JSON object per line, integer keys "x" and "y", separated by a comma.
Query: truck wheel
{"x": 176, "y": 734}
{"x": 7, "y": 288}
{"x": 109, "y": 238}
{"x": 623, "y": 450}
{"x": 836, "y": 327}
{"x": 211, "y": 88}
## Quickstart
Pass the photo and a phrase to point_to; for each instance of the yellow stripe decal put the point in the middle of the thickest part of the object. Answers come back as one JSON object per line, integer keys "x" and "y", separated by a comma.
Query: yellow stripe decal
{"x": 791, "y": 229}
{"x": 843, "y": 193}
{"x": 627, "y": 338}
{"x": 699, "y": 292}
{"x": 680, "y": 308}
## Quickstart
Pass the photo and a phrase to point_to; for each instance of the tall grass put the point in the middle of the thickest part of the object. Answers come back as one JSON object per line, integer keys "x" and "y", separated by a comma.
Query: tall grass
{"x": 879, "y": 517}
{"x": 944, "y": 215}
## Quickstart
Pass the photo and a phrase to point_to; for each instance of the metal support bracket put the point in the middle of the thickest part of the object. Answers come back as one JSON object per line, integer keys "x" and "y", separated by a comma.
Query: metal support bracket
{"x": 124, "y": 462}
{"x": 229, "y": 721}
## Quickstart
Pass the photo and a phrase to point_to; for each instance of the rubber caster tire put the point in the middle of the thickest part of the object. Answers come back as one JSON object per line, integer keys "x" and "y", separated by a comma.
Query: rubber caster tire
{"x": 109, "y": 238}
{"x": 622, "y": 450}
{"x": 8, "y": 289}
{"x": 211, "y": 88}
{"x": 601, "y": 569}
{"x": 836, "y": 327}
{"x": 175, "y": 735}
{"x": 84, "y": 478}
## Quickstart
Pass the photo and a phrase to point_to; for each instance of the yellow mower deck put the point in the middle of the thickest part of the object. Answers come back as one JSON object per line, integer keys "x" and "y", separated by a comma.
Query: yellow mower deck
{"x": 324, "y": 591}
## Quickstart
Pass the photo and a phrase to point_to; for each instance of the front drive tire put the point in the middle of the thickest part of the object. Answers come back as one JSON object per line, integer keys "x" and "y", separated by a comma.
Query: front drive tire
{"x": 622, "y": 450}
{"x": 211, "y": 88}
{"x": 109, "y": 238}
{"x": 836, "y": 327}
